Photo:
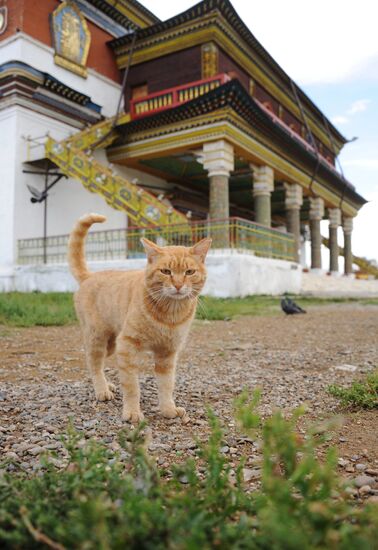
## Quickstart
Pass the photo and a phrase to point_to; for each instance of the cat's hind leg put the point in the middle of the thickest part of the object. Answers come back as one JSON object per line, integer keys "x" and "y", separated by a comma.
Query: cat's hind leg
{"x": 96, "y": 350}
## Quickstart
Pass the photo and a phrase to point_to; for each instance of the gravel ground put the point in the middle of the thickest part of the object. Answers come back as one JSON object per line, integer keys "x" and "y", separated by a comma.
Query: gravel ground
{"x": 44, "y": 382}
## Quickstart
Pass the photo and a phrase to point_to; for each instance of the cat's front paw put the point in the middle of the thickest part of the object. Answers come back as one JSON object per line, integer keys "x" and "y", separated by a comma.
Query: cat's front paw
{"x": 132, "y": 416}
{"x": 173, "y": 412}
{"x": 105, "y": 394}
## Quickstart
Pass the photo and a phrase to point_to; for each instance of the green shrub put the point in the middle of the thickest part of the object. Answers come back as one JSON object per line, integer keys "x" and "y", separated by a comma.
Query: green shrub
{"x": 362, "y": 394}
{"x": 102, "y": 501}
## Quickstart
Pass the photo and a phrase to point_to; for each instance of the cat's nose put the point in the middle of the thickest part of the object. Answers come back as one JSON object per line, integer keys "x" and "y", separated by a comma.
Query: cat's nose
{"x": 178, "y": 286}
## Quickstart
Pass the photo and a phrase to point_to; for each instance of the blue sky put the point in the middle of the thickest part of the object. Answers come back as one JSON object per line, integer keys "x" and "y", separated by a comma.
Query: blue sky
{"x": 330, "y": 48}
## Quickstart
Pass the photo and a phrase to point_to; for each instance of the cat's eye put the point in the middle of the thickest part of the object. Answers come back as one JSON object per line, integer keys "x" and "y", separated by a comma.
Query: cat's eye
{"x": 190, "y": 272}
{"x": 166, "y": 271}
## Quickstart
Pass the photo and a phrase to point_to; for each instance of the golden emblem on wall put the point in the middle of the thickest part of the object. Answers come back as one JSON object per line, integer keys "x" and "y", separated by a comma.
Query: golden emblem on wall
{"x": 71, "y": 38}
{"x": 3, "y": 18}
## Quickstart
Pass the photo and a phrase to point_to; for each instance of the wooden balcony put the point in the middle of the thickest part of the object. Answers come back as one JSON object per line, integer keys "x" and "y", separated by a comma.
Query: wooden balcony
{"x": 172, "y": 97}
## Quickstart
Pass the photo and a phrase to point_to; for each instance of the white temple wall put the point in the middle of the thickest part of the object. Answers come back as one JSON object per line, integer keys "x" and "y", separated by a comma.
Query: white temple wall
{"x": 8, "y": 133}
{"x": 67, "y": 200}
{"x": 230, "y": 274}
{"x": 101, "y": 90}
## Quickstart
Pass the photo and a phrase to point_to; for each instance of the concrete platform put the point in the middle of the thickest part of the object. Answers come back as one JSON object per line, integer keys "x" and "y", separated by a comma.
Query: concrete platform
{"x": 329, "y": 286}
{"x": 231, "y": 274}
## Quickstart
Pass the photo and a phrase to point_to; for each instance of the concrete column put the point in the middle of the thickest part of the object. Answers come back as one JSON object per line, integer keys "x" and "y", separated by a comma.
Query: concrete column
{"x": 316, "y": 214}
{"x": 219, "y": 197}
{"x": 348, "y": 256}
{"x": 263, "y": 185}
{"x": 334, "y": 215}
{"x": 218, "y": 160}
{"x": 293, "y": 203}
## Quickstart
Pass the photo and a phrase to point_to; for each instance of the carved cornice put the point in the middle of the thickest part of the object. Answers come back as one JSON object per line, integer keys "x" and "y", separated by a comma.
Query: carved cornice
{"x": 224, "y": 26}
{"x": 227, "y": 101}
{"x": 129, "y": 13}
{"x": 19, "y": 81}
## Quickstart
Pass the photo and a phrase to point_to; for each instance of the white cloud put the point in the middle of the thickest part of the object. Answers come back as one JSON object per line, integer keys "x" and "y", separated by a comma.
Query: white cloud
{"x": 358, "y": 106}
{"x": 339, "y": 119}
{"x": 362, "y": 163}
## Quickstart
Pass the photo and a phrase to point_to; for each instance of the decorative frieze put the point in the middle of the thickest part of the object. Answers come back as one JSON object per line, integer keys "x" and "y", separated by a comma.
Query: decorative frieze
{"x": 334, "y": 216}
{"x": 347, "y": 225}
{"x": 316, "y": 208}
{"x": 263, "y": 181}
{"x": 218, "y": 158}
{"x": 293, "y": 196}
{"x": 209, "y": 57}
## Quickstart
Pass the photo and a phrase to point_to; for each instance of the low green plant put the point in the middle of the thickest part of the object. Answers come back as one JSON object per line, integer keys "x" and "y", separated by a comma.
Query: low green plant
{"x": 23, "y": 309}
{"x": 362, "y": 394}
{"x": 103, "y": 500}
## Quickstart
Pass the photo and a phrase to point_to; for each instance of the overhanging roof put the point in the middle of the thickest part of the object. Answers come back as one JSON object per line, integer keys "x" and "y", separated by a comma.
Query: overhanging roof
{"x": 126, "y": 11}
{"x": 230, "y": 15}
{"x": 233, "y": 94}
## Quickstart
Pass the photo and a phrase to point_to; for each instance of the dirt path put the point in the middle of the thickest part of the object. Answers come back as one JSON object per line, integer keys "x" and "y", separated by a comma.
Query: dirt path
{"x": 43, "y": 382}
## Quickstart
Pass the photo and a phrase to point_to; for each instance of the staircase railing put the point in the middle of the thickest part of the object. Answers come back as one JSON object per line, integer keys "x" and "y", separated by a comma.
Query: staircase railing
{"x": 114, "y": 244}
{"x": 141, "y": 206}
{"x": 363, "y": 263}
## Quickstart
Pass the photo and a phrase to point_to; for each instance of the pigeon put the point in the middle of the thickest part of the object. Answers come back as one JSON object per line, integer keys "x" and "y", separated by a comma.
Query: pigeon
{"x": 290, "y": 307}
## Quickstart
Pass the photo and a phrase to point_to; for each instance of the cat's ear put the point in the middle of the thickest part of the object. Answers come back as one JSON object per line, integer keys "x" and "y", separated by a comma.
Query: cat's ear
{"x": 201, "y": 249}
{"x": 152, "y": 249}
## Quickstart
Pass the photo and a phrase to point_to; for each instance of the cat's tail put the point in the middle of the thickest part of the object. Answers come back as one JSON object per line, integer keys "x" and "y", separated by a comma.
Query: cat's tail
{"x": 76, "y": 243}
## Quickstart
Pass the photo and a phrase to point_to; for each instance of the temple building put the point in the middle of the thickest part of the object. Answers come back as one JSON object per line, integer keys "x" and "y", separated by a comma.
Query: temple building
{"x": 174, "y": 130}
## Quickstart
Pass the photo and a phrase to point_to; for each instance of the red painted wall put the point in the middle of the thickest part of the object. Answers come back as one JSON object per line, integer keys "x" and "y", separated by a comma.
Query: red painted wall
{"x": 33, "y": 18}
{"x": 166, "y": 72}
{"x": 229, "y": 66}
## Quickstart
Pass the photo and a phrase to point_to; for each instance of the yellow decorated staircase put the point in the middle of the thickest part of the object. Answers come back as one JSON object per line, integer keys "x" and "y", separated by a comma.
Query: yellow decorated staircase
{"x": 74, "y": 157}
{"x": 365, "y": 266}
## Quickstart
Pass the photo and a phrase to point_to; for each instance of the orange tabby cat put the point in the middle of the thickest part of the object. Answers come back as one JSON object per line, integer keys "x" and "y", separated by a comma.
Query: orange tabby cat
{"x": 131, "y": 312}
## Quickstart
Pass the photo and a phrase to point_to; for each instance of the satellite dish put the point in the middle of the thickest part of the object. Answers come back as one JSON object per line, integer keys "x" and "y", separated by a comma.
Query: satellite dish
{"x": 37, "y": 196}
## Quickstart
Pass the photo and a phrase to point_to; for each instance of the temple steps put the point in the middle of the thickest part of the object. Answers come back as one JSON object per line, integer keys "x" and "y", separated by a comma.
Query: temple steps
{"x": 74, "y": 158}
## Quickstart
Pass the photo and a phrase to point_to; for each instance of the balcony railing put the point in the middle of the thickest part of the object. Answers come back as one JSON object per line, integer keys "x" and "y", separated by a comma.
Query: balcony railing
{"x": 116, "y": 244}
{"x": 172, "y": 97}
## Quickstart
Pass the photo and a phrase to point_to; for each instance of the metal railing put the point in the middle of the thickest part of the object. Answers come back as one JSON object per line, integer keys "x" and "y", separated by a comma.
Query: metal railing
{"x": 172, "y": 97}
{"x": 115, "y": 244}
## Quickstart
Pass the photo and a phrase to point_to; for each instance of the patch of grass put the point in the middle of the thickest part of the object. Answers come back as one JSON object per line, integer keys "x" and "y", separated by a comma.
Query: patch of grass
{"x": 102, "y": 501}
{"x": 47, "y": 309}
{"x": 215, "y": 309}
{"x": 361, "y": 395}
{"x": 21, "y": 309}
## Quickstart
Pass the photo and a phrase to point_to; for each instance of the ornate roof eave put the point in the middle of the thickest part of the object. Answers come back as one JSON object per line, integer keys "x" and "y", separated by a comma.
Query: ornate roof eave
{"x": 129, "y": 13}
{"x": 45, "y": 90}
{"x": 225, "y": 8}
{"x": 233, "y": 95}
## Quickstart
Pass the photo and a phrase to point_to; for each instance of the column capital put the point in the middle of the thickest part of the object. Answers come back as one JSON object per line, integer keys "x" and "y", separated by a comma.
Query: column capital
{"x": 316, "y": 208}
{"x": 218, "y": 158}
{"x": 263, "y": 180}
{"x": 293, "y": 196}
{"x": 334, "y": 216}
{"x": 347, "y": 225}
